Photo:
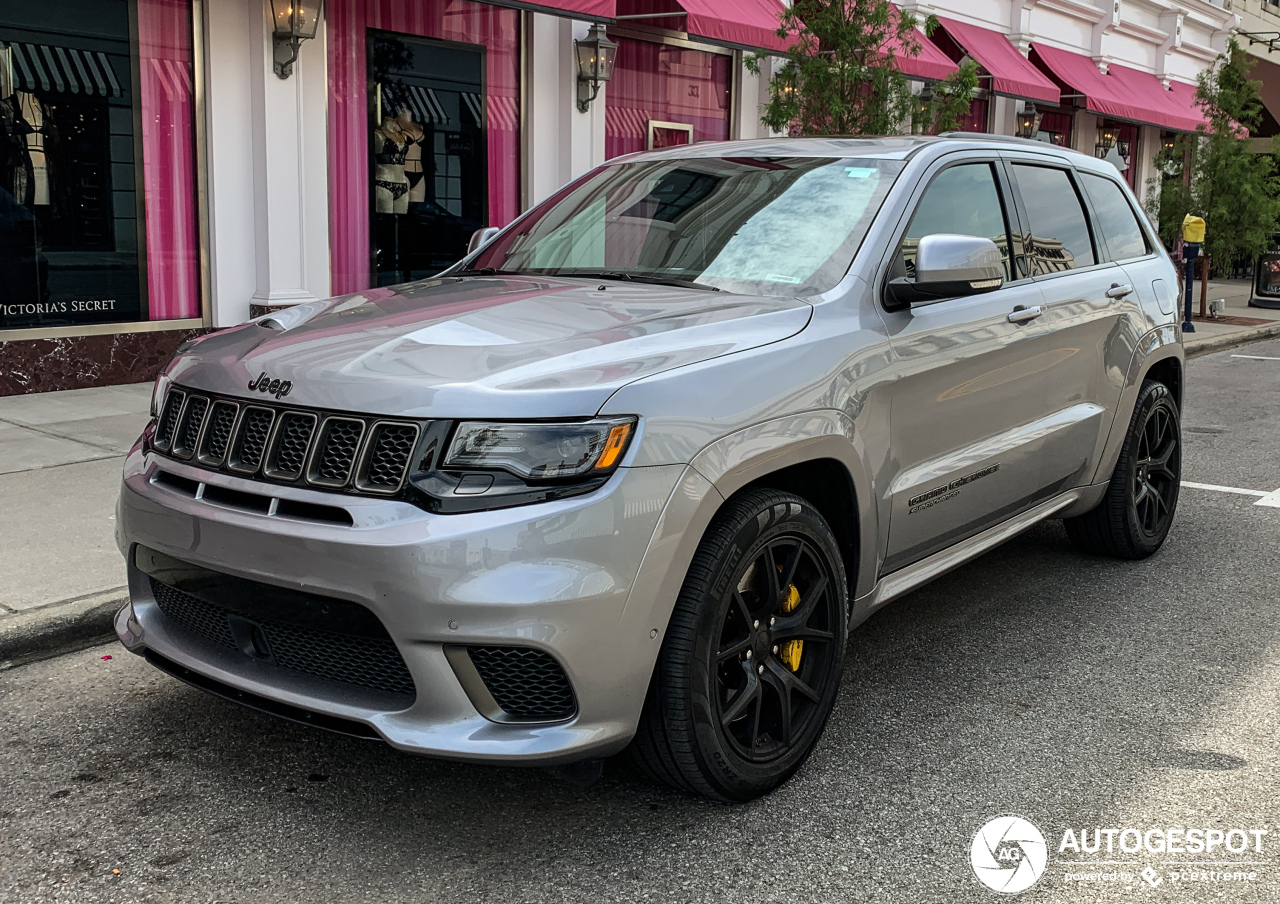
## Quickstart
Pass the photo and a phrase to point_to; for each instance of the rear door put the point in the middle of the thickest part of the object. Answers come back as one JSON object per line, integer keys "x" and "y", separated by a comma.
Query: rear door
{"x": 963, "y": 424}
{"x": 1087, "y": 302}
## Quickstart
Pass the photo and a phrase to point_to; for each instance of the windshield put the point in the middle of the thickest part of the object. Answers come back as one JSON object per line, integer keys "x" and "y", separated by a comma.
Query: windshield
{"x": 763, "y": 226}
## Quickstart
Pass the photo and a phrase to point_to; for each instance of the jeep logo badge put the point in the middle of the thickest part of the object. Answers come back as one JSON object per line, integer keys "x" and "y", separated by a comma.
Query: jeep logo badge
{"x": 277, "y": 388}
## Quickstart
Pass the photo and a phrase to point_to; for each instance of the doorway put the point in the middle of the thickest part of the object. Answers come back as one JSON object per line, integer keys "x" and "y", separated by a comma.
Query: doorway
{"x": 428, "y": 178}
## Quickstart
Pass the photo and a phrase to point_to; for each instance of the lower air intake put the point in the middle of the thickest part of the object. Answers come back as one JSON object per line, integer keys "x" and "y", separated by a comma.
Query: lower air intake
{"x": 526, "y": 684}
{"x": 363, "y": 661}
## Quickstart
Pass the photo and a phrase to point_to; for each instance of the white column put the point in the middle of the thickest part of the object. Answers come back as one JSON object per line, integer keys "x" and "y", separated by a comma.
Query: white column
{"x": 268, "y": 165}
{"x": 290, "y": 173}
{"x": 562, "y": 142}
{"x": 228, "y": 95}
{"x": 753, "y": 96}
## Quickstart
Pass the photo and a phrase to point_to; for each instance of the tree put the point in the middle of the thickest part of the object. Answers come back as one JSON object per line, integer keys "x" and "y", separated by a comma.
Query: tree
{"x": 1236, "y": 190}
{"x": 840, "y": 76}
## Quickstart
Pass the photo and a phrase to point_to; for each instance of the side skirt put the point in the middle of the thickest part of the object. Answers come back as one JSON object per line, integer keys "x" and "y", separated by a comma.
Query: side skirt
{"x": 904, "y": 580}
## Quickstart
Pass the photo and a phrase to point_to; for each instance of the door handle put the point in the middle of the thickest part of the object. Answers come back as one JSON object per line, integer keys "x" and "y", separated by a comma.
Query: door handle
{"x": 1119, "y": 291}
{"x": 1024, "y": 314}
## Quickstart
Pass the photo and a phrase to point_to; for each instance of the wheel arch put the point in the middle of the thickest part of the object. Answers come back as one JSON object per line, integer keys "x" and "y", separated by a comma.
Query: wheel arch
{"x": 817, "y": 456}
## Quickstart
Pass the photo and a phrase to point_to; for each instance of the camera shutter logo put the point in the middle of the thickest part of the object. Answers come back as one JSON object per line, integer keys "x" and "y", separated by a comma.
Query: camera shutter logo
{"x": 1009, "y": 855}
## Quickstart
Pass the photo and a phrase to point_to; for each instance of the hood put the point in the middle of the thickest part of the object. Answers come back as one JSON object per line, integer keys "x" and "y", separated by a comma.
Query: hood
{"x": 489, "y": 347}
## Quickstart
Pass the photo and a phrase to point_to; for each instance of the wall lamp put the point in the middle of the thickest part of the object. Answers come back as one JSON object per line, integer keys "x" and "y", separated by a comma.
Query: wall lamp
{"x": 1106, "y": 141}
{"x": 596, "y": 54}
{"x": 1029, "y": 121}
{"x": 294, "y": 21}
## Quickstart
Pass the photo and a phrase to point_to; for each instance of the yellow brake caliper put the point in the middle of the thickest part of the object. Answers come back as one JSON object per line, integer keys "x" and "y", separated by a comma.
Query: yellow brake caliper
{"x": 789, "y": 650}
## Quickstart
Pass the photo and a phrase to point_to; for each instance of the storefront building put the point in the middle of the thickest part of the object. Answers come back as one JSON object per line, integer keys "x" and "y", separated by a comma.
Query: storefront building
{"x": 157, "y": 176}
{"x": 1115, "y": 80}
{"x": 100, "y": 254}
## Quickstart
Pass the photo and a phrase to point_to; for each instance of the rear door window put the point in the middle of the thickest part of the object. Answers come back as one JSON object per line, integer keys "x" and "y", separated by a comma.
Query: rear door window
{"x": 961, "y": 200}
{"x": 1060, "y": 237}
{"x": 1120, "y": 228}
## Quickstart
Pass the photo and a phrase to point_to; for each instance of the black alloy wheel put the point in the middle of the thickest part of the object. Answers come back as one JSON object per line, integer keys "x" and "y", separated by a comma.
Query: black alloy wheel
{"x": 750, "y": 665}
{"x": 1134, "y": 517}
{"x": 1156, "y": 471}
{"x": 776, "y": 648}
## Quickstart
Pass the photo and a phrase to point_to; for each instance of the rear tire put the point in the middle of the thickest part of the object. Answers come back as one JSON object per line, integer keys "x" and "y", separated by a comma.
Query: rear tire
{"x": 1135, "y": 515}
{"x": 735, "y": 706}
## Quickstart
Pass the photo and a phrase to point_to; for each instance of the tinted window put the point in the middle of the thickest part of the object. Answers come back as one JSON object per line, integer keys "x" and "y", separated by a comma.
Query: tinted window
{"x": 1059, "y": 231}
{"x": 962, "y": 200}
{"x": 1115, "y": 216}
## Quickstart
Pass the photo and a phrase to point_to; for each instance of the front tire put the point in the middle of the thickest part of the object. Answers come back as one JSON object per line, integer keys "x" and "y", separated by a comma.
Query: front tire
{"x": 750, "y": 665}
{"x": 1135, "y": 515}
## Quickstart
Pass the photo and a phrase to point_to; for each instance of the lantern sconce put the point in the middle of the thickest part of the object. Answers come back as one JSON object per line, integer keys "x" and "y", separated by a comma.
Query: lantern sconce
{"x": 1106, "y": 141}
{"x": 294, "y": 21}
{"x": 596, "y": 54}
{"x": 1029, "y": 121}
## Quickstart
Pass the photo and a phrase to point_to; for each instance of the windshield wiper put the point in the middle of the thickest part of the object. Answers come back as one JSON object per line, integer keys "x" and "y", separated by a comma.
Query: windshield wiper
{"x": 486, "y": 271}
{"x": 637, "y": 277}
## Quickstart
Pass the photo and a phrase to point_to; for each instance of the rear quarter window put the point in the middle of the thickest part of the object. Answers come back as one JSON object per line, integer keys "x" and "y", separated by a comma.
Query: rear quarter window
{"x": 1120, "y": 228}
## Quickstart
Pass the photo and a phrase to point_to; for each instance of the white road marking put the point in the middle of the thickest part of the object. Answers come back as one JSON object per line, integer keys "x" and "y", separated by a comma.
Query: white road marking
{"x": 1271, "y": 499}
{"x": 1257, "y": 357}
{"x": 1214, "y": 487}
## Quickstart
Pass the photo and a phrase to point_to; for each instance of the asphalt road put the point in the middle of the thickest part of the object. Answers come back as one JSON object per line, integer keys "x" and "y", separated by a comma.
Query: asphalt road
{"x": 1079, "y": 693}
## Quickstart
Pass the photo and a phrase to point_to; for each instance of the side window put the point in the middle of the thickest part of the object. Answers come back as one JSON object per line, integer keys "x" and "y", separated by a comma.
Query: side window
{"x": 1124, "y": 236}
{"x": 1059, "y": 231}
{"x": 961, "y": 200}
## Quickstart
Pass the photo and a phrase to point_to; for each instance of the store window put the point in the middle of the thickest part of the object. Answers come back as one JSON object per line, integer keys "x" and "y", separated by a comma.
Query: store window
{"x": 98, "y": 216}
{"x": 662, "y": 95}
{"x": 975, "y": 118}
{"x": 1118, "y": 145}
{"x": 424, "y": 134}
{"x": 1055, "y": 128}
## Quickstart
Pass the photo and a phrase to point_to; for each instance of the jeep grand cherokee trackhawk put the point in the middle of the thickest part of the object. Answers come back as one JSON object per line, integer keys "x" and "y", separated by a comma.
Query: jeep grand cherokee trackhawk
{"x": 628, "y": 474}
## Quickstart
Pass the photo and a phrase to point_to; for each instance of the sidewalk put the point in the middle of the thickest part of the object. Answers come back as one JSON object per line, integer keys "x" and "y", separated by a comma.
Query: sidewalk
{"x": 1213, "y": 336}
{"x": 60, "y": 459}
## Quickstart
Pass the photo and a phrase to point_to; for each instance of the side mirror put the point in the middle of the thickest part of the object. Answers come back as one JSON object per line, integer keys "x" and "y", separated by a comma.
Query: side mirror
{"x": 948, "y": 266}
{"x": 480, "y": 238}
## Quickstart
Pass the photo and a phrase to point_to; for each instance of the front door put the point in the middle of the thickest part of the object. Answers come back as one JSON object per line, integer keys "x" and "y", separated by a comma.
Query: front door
{"x": 967, "y": 418}
{"x": 428, "y": 163}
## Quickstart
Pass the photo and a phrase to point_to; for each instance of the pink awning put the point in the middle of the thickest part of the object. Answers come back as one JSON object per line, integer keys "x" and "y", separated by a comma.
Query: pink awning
{"x": 1123, "y": 93}
{"x": 740, "y": 23}
{"x": 931, "y": 65}
{"x": 1011, "y": 72}
{"x": 593, "y": 10}
{"x": 752, "y": 24}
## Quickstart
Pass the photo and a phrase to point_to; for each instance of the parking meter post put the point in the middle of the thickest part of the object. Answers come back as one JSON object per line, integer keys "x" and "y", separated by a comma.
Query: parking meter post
{"x": 1190, "y": 252}
{"x": 1192, "y": 237}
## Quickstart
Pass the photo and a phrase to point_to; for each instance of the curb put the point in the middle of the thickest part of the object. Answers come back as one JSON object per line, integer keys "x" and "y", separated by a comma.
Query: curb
{"x": 1197, "y": 347}
{"x": 60, "y": 628}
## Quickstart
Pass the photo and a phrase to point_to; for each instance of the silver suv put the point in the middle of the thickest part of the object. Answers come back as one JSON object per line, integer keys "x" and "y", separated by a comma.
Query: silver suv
{"x": 626, "y": 476}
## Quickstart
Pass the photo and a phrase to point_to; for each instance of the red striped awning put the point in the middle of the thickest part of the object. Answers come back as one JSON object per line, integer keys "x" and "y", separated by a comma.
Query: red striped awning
{"x": 931, "y": 64}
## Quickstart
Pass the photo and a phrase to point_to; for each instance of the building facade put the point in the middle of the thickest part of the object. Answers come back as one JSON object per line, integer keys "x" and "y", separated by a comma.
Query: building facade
{"x": 158, "y": 177}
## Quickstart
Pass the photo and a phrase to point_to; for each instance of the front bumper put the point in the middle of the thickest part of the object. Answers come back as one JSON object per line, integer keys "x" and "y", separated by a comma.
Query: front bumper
{"x": 558, "y": 576}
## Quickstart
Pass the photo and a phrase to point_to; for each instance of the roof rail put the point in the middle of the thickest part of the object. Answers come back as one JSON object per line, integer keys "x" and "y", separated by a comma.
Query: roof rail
{"x": 989, "y": 136}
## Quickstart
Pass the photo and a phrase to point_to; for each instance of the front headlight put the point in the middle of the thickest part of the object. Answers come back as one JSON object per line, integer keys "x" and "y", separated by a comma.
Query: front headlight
{"x": 546, "y": 451}
{"x": 158, "y": 394}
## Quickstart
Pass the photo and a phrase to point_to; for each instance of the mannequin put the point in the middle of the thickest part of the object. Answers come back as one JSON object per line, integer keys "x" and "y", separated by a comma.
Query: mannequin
{"x": 32, "y": 111}
{"x": 413, "y": 158}
{"x": 391, "y": 186}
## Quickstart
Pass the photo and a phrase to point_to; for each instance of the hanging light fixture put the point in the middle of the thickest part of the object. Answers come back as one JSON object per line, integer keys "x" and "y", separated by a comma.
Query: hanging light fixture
{"x": 595, "y": 54}
{"x": 1106, "y": 141}
{"x": 1029, "y": 121}
{"x": 924, "y": 105}
{"x": 293, "y": 21}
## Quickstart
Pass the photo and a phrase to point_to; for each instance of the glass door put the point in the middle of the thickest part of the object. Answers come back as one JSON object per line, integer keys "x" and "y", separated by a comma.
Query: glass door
{"x": 429, "y": 176}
